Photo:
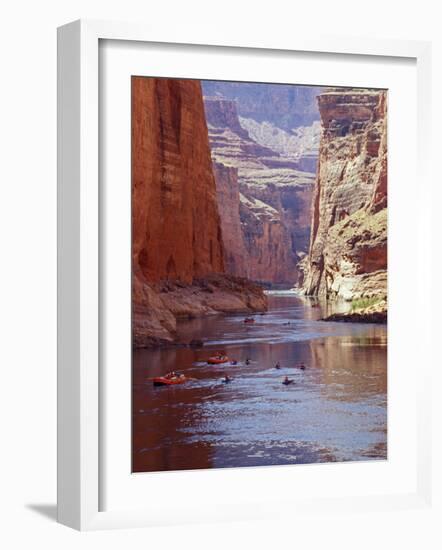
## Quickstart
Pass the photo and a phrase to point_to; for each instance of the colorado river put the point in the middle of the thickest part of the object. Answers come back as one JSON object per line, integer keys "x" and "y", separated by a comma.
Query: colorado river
{"x": 336, "y": 409}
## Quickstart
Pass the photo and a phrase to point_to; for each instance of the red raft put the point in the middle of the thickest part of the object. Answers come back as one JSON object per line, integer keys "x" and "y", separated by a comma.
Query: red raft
{"x": 169, "y": 380}
{"x": 218, "y": 359}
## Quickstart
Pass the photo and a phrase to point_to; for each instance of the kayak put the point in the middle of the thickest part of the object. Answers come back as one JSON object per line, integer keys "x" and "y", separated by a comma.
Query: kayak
{"x": 168, "y": 381}
{"x": 249, "y": 320}
{"x": 217, "y": 359}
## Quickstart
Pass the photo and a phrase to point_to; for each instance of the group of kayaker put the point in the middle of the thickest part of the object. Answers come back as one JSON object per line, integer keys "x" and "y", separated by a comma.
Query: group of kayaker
{"x": 220, "y": 357}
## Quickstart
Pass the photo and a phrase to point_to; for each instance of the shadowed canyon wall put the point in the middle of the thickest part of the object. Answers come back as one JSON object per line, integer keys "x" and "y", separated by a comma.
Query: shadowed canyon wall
{"x": 348, "y": 249}
{"x": 177, "y": 247}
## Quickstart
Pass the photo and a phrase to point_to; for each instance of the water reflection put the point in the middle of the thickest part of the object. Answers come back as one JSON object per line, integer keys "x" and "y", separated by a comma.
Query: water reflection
{"x": 335, "y": 410}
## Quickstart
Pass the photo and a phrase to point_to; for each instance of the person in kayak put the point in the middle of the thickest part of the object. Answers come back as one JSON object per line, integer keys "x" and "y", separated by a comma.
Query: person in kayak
{"x": 226, "y": 379}
{"x": 247, "y": 361}
{"x": 277, "y": 366}
{"x": 287, "y": 381}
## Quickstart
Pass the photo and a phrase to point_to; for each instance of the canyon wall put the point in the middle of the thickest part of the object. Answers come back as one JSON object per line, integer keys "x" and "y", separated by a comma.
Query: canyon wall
{"x": 267, "y": 235}
{"x": 270, "y": 258}
{"x": 348, "y": 248}
{"x": 172, "y": 173}
{"x": 229, "y": 196}
{"x": 177, "y": 248}
{"x": 257, "y": 243}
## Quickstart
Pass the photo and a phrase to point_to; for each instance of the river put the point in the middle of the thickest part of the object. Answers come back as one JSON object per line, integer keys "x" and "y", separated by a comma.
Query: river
{"x": 336, "y": 409}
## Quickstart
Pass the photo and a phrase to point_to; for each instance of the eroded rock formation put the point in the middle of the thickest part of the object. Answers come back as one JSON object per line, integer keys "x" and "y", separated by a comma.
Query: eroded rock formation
{"x": 270, "y": 257}
{"x": 176, "y": 231}
{"x": 300, "y": 145}
{"x": 283, "y": 105}
{"x": 267, "y": 235}
{"x": 348, "y": 249}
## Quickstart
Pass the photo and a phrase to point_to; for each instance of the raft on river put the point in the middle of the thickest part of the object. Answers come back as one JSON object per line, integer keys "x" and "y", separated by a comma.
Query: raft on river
{"x": 217, "y": 359}
{"x": 169, "y": 380}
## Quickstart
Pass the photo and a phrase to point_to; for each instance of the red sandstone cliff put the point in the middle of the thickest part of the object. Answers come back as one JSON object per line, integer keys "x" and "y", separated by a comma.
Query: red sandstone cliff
{"x": 348, "y": 248}
{"x": 176, "y": 232}
{"x": 175, "y": 220}
{"x": 235, "y": 253}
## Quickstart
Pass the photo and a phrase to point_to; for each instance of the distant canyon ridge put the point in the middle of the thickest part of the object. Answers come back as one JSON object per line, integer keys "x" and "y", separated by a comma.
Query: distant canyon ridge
{"x": 239, "y": 186}
{"x": 264, "y": 142}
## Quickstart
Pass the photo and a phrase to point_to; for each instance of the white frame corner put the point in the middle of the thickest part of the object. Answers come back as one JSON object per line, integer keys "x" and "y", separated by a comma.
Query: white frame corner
{"x": 78, "y": 252}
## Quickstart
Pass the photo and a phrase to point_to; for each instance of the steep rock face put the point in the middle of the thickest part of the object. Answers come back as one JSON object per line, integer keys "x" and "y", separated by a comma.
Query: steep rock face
{"x": 289, "y": 193}
{"x": 348, "y": 249}
{"x": 176, "y": 228}
{"x": 256, "y": 241}
{"x": 267, "y": 242}
{"x": 235, "y": 253}
{"x": 222, "y": 113}
{"x": 275, "y": 198}
{"x": 172, "y": 172}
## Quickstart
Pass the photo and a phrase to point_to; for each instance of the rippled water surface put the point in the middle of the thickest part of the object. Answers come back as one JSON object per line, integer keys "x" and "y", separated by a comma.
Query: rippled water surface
{"x": 336, "y": 409}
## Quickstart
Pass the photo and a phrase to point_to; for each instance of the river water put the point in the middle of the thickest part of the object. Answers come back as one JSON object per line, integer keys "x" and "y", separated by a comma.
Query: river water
{"x": 336, "y": 409}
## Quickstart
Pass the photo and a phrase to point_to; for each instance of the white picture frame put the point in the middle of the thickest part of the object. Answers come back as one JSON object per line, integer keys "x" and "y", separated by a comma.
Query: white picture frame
{"x": 79, "y": 367}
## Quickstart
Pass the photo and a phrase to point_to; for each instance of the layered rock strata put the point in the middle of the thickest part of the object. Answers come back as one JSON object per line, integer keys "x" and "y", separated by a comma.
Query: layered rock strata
{"x": 270, "y": 257}
{"x": 348, "y": 248}
{"x": 233, "y": 144}
{"x": 267, "y": 235}
{"x": 176, "y": 229}
{"x": 286, "y": 106}
{"x": 257, "y": 242}
{"x": 301, "y": 145}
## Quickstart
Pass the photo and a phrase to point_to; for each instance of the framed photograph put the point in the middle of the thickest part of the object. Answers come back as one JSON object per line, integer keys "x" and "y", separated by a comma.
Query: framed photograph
{"x": 233, "y": 229}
